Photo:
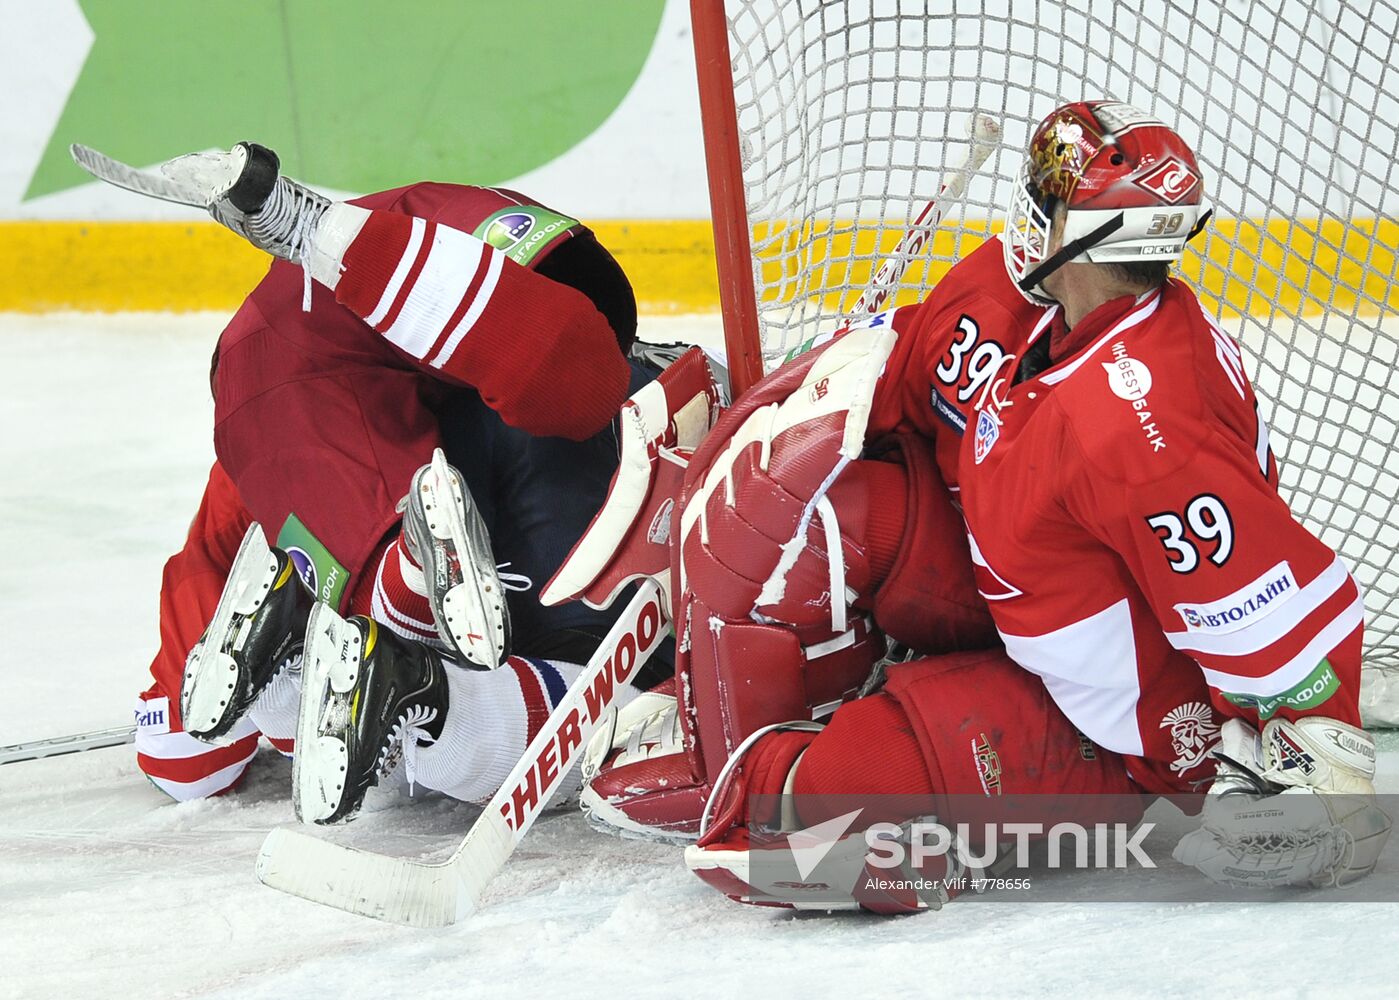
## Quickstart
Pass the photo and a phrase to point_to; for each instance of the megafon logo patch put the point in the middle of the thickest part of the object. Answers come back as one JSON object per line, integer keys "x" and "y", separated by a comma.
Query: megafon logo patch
{"x": 305, "y": 567}
{"x": 504, "y": 232}
{"x": 1170, "y": 181}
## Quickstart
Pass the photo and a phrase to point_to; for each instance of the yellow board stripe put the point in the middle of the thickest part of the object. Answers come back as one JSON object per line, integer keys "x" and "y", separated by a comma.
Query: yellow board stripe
{"x": 1302, "y": 265}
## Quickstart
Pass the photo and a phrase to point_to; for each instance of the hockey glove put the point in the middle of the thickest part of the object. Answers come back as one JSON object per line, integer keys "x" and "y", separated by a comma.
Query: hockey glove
{"x": 1292, "y": 806}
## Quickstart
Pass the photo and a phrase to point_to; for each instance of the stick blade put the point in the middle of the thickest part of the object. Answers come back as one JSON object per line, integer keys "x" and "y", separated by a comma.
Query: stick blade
{"x": 395, "y": 890}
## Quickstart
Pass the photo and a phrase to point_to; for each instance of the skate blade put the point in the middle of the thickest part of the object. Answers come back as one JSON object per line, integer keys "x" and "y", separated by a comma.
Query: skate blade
{"x": 330, "y": 668}
{"x": 472, "y": 613}
{"x": 473, "y": 616}
{"x": 211, "y": 674}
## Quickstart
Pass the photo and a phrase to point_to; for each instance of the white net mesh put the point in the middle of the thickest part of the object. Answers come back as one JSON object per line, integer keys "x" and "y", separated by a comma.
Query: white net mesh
{"x": 849, "y": 111}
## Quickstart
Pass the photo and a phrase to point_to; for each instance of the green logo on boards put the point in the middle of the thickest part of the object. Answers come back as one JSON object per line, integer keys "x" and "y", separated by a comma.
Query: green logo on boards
{"x": 354, "y": 95}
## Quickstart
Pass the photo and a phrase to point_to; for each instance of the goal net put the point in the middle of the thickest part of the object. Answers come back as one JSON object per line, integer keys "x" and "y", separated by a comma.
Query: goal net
{"x": 843, "y": 116}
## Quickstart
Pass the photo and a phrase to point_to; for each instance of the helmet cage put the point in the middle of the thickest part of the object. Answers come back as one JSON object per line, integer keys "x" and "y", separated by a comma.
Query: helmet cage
{"x": 1025, "y": 241}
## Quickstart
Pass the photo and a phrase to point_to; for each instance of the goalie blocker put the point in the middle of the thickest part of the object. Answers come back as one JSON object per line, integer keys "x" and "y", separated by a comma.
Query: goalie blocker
{"x": 785, "y": 546}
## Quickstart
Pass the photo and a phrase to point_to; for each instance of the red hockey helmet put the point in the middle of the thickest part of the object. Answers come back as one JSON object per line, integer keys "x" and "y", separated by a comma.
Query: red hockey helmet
{"x": 1131, "y": 184}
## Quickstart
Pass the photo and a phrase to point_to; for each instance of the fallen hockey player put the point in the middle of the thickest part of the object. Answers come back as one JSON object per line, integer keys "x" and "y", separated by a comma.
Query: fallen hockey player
{"x": 337, "y": 409}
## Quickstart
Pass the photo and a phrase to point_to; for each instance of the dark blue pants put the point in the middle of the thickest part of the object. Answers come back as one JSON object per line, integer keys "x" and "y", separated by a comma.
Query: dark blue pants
{"x": 536, "y": 495}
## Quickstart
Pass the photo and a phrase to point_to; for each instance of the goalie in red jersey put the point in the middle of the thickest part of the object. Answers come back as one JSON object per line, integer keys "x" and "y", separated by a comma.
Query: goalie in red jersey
{"x": 445, "y": 322}
{"x": 1052, "y": 480}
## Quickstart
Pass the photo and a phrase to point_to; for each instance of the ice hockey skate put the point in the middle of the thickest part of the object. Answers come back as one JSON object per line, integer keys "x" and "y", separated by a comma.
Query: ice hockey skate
{"x": 242, "y": 188}
{"x": 256, "y": 632}
{"x": 443, "y": 530}
{"x": 368, "y": 698}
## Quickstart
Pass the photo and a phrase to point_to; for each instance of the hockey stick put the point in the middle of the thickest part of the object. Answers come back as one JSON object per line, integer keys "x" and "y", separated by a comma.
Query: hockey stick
{"x": 76, "y": 743}
{"x": 421, "y": 894}
{"x": 985, "y": 135}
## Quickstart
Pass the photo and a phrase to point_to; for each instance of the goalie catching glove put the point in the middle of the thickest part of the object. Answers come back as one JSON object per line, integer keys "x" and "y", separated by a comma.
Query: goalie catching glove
{"x": 1292, "y": 806}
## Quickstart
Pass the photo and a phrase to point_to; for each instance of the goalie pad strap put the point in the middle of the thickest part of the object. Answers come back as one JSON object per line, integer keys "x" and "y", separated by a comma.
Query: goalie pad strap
{"x": 629, "y": 536}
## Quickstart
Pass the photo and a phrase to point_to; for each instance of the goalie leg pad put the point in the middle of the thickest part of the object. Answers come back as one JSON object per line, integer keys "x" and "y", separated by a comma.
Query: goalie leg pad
{"x": 936, "y": 733}
{"x": 988, "y": 726}
{"x": 739, "y": 677}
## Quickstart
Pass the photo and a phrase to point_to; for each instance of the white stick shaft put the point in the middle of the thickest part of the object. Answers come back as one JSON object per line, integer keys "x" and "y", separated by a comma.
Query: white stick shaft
{"x": 551, "y": 754}
{"x": 75, "y": 743}
{"x": 434, "y": 895}
{"x": 985, "y": 136}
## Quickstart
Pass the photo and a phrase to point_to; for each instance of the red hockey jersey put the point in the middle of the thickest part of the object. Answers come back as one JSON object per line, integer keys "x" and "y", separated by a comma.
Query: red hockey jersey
{"x": 325, "y": 416}
{"x": 1123, "y": 512}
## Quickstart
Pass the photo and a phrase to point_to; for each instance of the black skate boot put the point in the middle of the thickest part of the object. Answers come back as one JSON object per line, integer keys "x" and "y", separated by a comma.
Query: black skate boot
{"x": 272, "y": 212}
{"x": 443, "y": 530}
{"x": 256, "y": 632}
{"x": 368, "y": 698}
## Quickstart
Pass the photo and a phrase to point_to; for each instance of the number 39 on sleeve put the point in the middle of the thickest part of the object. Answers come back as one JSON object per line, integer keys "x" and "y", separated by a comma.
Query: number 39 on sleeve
{"x": 1206, "y": 521}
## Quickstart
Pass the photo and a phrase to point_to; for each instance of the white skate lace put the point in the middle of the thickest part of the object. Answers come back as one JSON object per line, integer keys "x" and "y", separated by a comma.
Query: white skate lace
{"x": 290, "y": 205}
{"x": 402, "y": 743}
{"x": 513, "y": 581}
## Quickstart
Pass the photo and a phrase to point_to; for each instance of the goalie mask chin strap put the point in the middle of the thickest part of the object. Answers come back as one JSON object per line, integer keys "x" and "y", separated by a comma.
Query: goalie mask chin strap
{"x": 1068, "y": 252}
{"x": 1088, "y": 241}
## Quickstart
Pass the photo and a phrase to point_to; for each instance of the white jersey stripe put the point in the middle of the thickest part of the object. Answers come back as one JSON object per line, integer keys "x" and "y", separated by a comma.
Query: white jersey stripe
{"x": 444, "y": 279}
{"x": 1261, "y": 446}
{"x": 1133, "y": 318}
{"x": 1229, "y": 371}
{"x": 478, "y": 306}
{"x": 1042, "y": 324}
{"x": 1090, "y": 670}
{"x": 405, "y": 264}
{"x": 1292, "y": 673}
{"x": 184, "y": 791}
{"x": 181, "y": 746}
{"x": 1277, "y": 624}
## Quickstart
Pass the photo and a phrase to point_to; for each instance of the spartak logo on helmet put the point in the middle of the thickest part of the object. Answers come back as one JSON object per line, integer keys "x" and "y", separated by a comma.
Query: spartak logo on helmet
{"x": 1060, "y": 151}
{"x": 1170, "y": 180}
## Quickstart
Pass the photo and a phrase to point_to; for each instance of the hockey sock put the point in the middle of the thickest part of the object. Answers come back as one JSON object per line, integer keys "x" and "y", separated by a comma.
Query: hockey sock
{"x": 274, "y": 711}
{"x": 491, "y": 717}
{"x": 398, "y": 598}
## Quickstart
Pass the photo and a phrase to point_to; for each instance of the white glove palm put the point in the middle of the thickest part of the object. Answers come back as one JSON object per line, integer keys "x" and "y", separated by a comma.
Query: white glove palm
{"x": 1293, "y": 806}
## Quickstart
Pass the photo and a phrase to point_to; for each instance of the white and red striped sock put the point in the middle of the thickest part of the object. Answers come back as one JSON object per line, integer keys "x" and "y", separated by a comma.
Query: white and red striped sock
{"x": 398, "y": 599}
{"x": 491, "y": 717}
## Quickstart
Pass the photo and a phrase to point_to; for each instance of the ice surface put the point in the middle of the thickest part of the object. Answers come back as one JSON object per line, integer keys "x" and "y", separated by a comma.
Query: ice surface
{"x": 107, "y": 889}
